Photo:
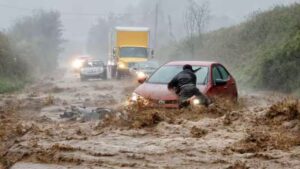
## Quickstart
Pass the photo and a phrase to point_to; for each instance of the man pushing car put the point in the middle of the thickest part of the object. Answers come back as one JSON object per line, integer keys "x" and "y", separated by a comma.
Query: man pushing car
{"x": 184, "y": 84}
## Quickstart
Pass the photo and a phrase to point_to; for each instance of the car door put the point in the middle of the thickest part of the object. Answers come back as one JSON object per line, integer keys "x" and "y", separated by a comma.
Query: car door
{"x": 216, "y": 90}
{"x": 226, "y": 89}
{"x": 229, "y": 89}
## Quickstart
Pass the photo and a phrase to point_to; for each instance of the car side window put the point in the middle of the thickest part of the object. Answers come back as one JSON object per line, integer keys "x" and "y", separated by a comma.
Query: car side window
{"x": 216, "y": 74}
{"x": 224, "y": 73}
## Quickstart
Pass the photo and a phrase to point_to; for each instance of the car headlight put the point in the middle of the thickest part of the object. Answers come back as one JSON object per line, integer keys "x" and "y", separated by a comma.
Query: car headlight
{"x": 122, "y": 65}
{"x": 140, "y": 100}
{"x": 196, "y": 102}
{"x": 141, "y": 75}
{"x": 77, "y": 64}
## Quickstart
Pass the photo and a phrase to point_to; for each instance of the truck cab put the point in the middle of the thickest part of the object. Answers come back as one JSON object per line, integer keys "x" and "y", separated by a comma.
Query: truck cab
{"x": 131, "y": 45}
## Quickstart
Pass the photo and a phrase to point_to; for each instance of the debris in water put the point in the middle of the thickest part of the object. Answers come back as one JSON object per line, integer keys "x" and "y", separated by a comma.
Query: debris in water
{"x": 287, "y": 109}
{"x": 86, "y": 114}
{"x": 238, "y": 165}
{"x": 198, "y": 132}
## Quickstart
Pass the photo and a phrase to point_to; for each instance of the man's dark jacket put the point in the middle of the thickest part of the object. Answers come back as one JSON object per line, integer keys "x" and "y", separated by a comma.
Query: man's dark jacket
{"x": 185, "y": 78}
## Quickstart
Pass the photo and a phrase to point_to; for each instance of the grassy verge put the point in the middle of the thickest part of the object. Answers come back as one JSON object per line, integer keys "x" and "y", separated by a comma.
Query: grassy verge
{"x": 11, "y": 84}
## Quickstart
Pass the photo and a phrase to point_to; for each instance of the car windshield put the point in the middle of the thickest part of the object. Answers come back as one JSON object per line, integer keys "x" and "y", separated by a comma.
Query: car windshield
{"x": 166, "y": 73}
{"x": 138, "y": 52}
{"x": 97, "y": 63}
{"x": 93, "y": 64}
{"x": 149, "y": 64}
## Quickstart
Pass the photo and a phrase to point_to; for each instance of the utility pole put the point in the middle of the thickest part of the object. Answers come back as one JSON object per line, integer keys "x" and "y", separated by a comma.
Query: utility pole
{"x": 171, "y": 29}
{"x": 155, "y": 25}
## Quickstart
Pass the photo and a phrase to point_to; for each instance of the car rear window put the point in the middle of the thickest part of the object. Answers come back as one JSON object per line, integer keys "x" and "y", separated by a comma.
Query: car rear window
{"x": 216, "y": 73}
{"x": 93, "y": 64}
{"x": 224, "y": 73}
{"x": 166, "y": 73}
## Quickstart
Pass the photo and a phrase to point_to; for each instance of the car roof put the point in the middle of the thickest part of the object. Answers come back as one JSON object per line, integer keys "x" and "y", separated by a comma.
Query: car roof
{"x": 200, "y": 63}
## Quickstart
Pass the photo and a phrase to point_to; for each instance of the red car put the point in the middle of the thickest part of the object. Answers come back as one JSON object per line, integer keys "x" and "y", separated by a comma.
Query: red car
{"x": 213, "y": 79}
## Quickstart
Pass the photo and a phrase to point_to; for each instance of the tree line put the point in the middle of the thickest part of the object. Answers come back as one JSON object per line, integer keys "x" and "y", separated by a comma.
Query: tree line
{"x": 30, "y": 47}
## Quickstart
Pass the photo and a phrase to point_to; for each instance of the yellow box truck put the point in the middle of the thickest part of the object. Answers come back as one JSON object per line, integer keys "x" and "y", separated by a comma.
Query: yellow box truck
{"x": 129, "y": 46}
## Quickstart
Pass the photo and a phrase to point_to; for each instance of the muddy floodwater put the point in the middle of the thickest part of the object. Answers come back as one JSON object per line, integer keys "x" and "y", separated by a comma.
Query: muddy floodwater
{"x": 57, "y": 123}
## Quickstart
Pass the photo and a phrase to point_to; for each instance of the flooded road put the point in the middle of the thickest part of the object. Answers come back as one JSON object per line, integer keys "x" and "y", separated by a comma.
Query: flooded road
{"x": 45, "y": 126}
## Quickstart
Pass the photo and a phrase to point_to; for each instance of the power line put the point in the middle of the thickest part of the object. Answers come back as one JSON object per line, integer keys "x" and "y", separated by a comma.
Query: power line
{"x": 14, "y": 7}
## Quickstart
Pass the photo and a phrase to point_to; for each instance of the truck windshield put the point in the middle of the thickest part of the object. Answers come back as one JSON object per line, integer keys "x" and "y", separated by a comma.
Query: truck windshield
{"x": 136, "y": 52}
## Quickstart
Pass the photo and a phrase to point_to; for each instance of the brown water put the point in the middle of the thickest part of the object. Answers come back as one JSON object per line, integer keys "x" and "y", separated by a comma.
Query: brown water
{"x": 33, "y": 135}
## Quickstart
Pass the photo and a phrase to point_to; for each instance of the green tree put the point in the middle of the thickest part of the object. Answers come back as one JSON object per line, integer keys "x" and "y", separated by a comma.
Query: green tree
{"x": 10, "y": 63}
{"x": 97, "y": 43}
{"x": 38, "y": 40}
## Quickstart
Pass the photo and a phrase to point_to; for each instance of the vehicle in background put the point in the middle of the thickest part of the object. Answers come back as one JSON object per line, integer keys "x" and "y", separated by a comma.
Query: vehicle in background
{"x": 147, "y": 68}
{"x": 213, "y": 80}
{"x": 78, "y": 62}
{"x": 93, "y": 69}
{"x": 129, "y": 45}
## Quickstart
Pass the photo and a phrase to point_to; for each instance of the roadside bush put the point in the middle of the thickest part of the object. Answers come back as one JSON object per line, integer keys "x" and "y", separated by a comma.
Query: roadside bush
{"x": 12, "y": 69}
{"x": 31, "y": 47}
{"x": 10, "y": 63}
{"x": 38, "y": 40}
{"x": 281, "y": 71}
{"x": 10, "y": 85}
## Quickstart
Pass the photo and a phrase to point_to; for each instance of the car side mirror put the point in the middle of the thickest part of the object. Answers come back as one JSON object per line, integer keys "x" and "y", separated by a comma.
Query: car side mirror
{"x": 220, "y": 82}
{"x": 150, "y": 53}
{"x": 141, "y": 80}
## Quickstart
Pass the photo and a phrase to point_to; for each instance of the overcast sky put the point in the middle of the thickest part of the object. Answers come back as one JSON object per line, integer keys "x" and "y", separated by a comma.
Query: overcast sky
{"x": 79, "y": 15}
